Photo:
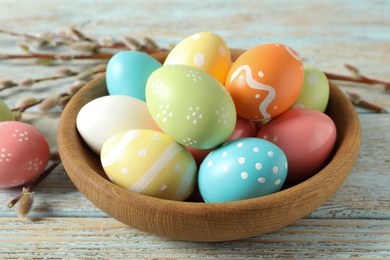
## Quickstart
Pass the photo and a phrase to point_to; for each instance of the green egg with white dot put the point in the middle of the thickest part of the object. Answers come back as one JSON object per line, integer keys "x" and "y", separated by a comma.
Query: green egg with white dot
{"x": 190, "y": 106}
{"x": 242, "y": 169}
{"x": 315, "y": 90}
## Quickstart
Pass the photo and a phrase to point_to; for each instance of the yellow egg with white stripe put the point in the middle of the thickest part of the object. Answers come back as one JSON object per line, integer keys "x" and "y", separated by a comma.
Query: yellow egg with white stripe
{"x": 149, "y": 162}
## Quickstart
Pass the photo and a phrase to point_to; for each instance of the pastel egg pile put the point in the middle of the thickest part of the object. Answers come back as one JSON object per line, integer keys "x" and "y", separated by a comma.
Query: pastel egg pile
{"x": 232, "y": 130}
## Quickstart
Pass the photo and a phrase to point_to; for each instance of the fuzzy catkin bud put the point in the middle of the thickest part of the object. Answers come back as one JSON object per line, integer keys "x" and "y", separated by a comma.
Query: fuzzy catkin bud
{"x": 76, "y": 86}
{"x": 63, "y": 32}
{"x": 7, "y": 84}
{"x": 132, "y": 43}
{"x": 26, "y": 202}
{"x": 26, "y": 82}
{"x": 149, "y": 43}
{"x": 49, "y": 103}
{"x": 64, "y": 101}
{"x": 85, "y": 75}
{"x": 45, "y": 61}
{"x": 65, "y": 71}
{"x": 83, "y": 46}
{"x": 17, "y": 115}
{"x": 106, "y": 41}
{"x": 24, "y": 47}
{"x": 26, "y": 102}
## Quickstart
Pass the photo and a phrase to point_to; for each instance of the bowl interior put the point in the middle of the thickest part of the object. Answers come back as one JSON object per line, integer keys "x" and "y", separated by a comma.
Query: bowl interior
{"x": 206, "y": 221}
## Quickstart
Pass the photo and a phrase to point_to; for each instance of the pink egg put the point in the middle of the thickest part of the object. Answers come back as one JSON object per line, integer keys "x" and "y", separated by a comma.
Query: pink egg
{"x": 24, "y": 153}
{"x": 307, "y": 137}
{"x": 243, "y": 128}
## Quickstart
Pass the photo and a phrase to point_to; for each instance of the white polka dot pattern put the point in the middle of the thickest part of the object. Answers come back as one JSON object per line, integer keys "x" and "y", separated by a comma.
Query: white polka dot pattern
{"x": 242, "y": 169}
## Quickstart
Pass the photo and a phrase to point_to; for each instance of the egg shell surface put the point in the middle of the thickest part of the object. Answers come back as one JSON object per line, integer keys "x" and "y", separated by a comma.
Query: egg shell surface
{"x": 242, "y": 169}
{"x": 128, "y": 71}
{"x": 24, "y": 153}
{"x": 265, "y": 81}
{"x": 5, "y": 112}
{"x": 151, "y": 163}
{"x": 243, "y": 128}
{"x": 315, "y": 90}
{"x": 307, "y": 137}
{"x": 190, "y": 106}
{"x": 206, "y": 51}
{"x": 105, "y": 116}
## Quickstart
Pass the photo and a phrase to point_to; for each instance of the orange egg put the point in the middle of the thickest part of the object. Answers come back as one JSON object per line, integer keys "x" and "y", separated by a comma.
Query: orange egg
{"x": 265, "y": 81}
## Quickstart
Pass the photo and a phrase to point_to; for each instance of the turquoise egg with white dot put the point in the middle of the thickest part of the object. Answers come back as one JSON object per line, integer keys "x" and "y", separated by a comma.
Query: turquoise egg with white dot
{"x": 242, "y": 169}
{"x": 315, "y": 90}
{"x": 190, "y": 106}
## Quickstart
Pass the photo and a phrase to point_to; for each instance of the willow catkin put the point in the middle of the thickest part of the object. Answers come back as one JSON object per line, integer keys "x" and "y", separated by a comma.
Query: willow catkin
{"x": 25, "y": 203}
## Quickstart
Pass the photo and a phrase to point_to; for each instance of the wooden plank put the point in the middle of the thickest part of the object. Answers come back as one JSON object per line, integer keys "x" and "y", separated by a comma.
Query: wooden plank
{"x": 352, "y": 223}
{"x": 105, "y": 237}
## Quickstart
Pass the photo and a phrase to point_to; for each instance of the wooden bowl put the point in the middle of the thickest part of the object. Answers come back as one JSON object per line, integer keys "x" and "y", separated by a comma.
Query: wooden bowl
{"x": 202, "y": 221}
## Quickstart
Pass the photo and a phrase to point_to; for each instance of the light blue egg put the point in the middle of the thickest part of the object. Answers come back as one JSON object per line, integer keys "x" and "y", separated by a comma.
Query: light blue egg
{"x": 127, "y": 73}
{"x": 242, "y": 169}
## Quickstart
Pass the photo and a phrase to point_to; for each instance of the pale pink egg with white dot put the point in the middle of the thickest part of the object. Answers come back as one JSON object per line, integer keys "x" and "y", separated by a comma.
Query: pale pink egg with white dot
{"x": 206, "y": 51}
{"x": 24, "y": 153}
{"x": 149, "y": 162}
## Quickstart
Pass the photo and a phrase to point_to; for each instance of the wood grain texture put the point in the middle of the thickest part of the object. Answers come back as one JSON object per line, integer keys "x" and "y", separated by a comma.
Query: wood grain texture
{"x": 97, "y": 238}
{"x": 327, "y": 34}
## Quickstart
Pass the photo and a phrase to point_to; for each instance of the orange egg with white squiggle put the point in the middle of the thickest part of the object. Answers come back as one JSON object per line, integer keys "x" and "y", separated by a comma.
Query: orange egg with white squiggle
{"x": 265, "y": 81}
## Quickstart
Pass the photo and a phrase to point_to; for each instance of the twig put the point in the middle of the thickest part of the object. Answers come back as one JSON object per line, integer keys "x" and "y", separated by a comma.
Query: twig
{"x": 359, "y": 101}
{"x": 25, "y": 35}
{"x": 37, "y": 102}
{"x": 31, "y": 186}
{"x": 6, "y": 84}
{"x": 359, "y": 78}
{"x": 56, "y": 56}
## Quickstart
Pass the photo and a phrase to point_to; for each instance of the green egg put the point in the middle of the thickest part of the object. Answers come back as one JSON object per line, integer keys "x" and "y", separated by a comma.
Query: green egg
{"x": 190, "y": 106}
{"x": 315, "y": 90}
{"x": 5, "y": 112}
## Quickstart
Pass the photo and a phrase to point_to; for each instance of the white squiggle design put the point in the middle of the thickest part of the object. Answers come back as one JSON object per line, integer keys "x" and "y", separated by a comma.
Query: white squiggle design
{"x": 117, "y": 150}
{"x": 257, "y": 85}
{"x": 293, "y": 53}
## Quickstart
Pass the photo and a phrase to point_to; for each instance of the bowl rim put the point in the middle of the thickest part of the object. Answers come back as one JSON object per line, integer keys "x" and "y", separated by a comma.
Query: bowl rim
{"x": 196, "y": 221}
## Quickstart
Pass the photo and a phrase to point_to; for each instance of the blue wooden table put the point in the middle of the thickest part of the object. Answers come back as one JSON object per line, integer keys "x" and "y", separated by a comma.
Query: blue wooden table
{"x": 353, "y": 223}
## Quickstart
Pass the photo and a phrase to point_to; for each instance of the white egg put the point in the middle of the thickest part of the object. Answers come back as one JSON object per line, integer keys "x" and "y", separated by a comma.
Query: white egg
{"x": 103, "y": 117}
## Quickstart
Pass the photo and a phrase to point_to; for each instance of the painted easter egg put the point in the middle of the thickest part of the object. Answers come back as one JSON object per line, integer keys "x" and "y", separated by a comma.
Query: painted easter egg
{"x": 243, "y": 128}
{"x": 5, "y": 112}
{"x": 265, "y": 81}
{"x": 128, "y": 71}
{"x": 105, "y": 116}
{"x": 149, "y": 162}
{"x": 24, "y": 153}
{"x": 242, "y": 169}
{"x": 206, "y": 51}
{"x": 190, "y": 106}
{"x": 315, "y": 90}
{"x": 307, "y": 137}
